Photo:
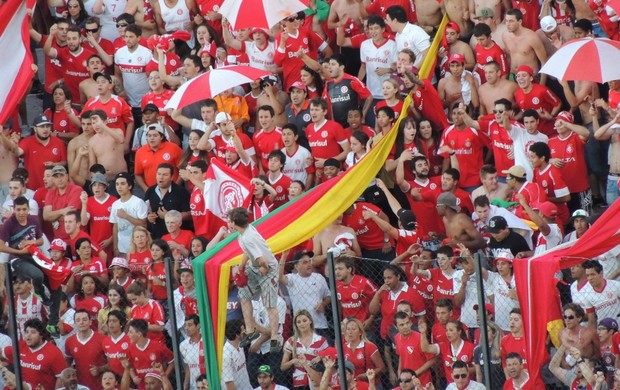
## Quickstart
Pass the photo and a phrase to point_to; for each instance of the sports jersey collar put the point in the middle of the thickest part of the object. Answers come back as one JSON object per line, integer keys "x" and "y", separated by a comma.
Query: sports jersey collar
{"x": 291, "y": 155}
{"x": 360, "y": 345}
{"x": 107, "y": 196}
{"x": 542, "y": 171}
{"x": 117, "y": 339}
{"x": 602, "y": 288}
{"x": 85, "y": 341}
{"x": 148, "y": 342}
{"x": 40, "y": 347}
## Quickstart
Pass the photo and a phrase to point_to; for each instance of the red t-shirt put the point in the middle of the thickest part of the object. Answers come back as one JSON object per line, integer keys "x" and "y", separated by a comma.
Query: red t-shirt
{"x": 530, "y": 11}
{"x": 369, "y": 234}
{"x": 552, "y": 183}
{"x": 92, "y": 305}
{"x": 426, "y": 212}
{"x": 281, "y": 185}
{"x": 468, "y": 145}
{"x": 501, "y": 144}
{"x": 219, "y": 145}
{"x": 72, "y": 241}
{"x": 117, "y": 110}
{"x": 265, "y": 143}
{"x": 405, "y": 239}
{"x": 305, "y": 39}
{"x": 443, "y": 288}
{"x": 493, "y": 53}
{"x": 153, "y": 313}
{"x": 138, "y": 261}
{"x": 36, "y": 155}
{"x": 361, "y": 356}
{"x": 157, "y": 270}
{"x": 571, "y": 150}
{"x": 449, "y": 355}
{"x": 463, "y": 200}
{"x": 53, "y": 68}
{"x": 40, "y": 366}
{"x": 142, "y": 359}
{"x": 411, "y": 354}
{"x": 355, "y": 296}
{"x": 534, "y": 195}
{"x": 74, "y": 67}
{"x": 99, "y": 224}
{"x": 610, "y": 27}
{"x": 115, "y": 350}
{"x": 197, "y": 209}
{"x": 87, "y": 353}
{"x": 427, "y": 101}
{"x": 326, "y": 140}
{"x": 160, "y": 100}
{"x": 71, "y": 197}
{"x": 389, "y": 302}
{"x": 183, "y": 238}
{"x": 148, "y": 160}
{"x": 510, "y": 343}
{"x": 61, "y": 122}
{"x": 438, "y": 333}
{"x": 539, "y": 97}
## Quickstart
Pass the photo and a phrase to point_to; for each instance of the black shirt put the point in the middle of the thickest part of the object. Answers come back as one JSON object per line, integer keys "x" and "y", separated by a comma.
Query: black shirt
{"x": 176, "y": 198}
{"x": 514, "y": 243}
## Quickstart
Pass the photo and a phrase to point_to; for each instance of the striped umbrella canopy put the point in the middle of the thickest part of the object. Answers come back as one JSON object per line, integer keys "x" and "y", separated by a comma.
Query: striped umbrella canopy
{"x": 585, "y": 59}
{"x": 259, "y": 13}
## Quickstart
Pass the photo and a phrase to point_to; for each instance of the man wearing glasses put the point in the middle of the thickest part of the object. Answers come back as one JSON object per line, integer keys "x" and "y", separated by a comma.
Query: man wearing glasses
{"x": 460, "y": 375}
{"x": 96, "y": 43}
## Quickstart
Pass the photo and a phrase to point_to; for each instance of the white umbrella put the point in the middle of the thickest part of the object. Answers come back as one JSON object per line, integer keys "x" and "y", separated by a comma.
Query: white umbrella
{"x": 259, "y": 13}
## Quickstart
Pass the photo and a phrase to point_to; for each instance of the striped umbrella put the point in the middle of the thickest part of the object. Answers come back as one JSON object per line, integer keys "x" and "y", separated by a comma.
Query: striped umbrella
{"x": 259, "y": 13}
{"x": 585, "y": 59}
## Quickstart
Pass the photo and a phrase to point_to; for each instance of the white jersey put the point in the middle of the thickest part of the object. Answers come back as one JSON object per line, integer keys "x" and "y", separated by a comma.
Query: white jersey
{"x": 307, "y": 293}
{"x": 191, "y": 353}
{"x": 578, "y": 293}
{"x": 502, "y": 302}
{"x": 261, "y": 59}
{"x": 112, "y": 9}
{"x": 605, "y": 302}
{"x": 176, "y": 18}
{"x": 468, "y": 314}
{"x": 471, "y": 386}
{"x": 377, "y": 57}
{"x": 413, "y": 37}
{"x": 234, "y": 368}
{"x": 522, "y": 140}
{"x": 26, "y": 309}
{"x": 261, "y": 316}
{"x": 551, "y": 240}
{"x": 134, "y": 207}
{"x": 296, "y": 165}
{"x": 133, "y": 67}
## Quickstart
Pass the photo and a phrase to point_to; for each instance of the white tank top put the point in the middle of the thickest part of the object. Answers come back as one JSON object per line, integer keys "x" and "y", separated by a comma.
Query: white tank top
{"x": 175, "y": 17}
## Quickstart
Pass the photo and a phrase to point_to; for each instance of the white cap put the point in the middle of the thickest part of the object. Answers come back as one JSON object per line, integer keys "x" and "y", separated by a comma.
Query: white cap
{"x": 222, "y": 117}
{"x": 548, "y": 23}
{"x": 119, "y": 262}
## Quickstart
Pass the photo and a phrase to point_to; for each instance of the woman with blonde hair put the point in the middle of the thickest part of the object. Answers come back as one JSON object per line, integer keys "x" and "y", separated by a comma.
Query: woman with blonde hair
{"x": 139, "y": 255}
{"x": 363, "y": 353}
{"x": 302, "y": 350}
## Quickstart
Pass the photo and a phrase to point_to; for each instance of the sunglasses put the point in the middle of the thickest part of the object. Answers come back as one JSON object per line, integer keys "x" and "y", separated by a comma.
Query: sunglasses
{"x": 459, "y": 376}
{"x": 405, "y": 380}
{"x": 292, "y": 19}
{"x": 498, "y": 111}
{"x": 92, "y": 30}
{"x": 569, "y": 317}
{"x": 118, "y": 25}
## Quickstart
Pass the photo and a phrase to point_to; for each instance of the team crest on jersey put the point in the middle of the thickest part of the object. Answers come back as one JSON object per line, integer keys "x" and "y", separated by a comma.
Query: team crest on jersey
{"x": 569, "y": 148}
{"x": 410, "y": 350}
{"x": 452, "y": 142}
{"x": 489, "y": 59}
{"x": 75, "y": 349}
{"x": 418, "y": 94}
{"x": 324, "y": 133}
{"x": 458, "y": 201}
{"x": 40, "y": 357}
{"x": 386, "y": 53}
{"x": 55, "y": 151}
{"x": 433, "y": 186}
{"x": 355, "y": 296}
{"x": 279, "y": 189}
{"x": 152, "y": 356}
{"x": 464, "y": 358}
{"x": 535, "y": 100}
{"x": 609, "y": 295}
{"x": 270, "y": 55}
{"x": 429, "y": 288}
{"x": 84, "y": 64}
{"x": 179, "y": 12}
{"x": 166, "y": 156}
{"x": 63, "y": 123}
{"x": 216, "y": 8}
{"x": 305, "y": 41}
{"x": 468, "y": 143}
{"x": 360, "y": 356}
{"x": 361, "y": 221}
{"x": 197, "y": 198}
{"x": 344, "y": 89}
{"x": 306, "y": 118}
{"x": 109, "y": 209}
{"x": 113, "y": 111}
{"x": 544, "y": 183}
{"x": 125, "y": 345}
{"x": 139, "y": 59}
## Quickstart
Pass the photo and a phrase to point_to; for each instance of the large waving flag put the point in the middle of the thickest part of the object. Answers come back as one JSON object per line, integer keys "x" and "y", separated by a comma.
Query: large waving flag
{"x": 284, "y": 228}
{"x": 224, "y": 190}
{"x": 17, "y": 63}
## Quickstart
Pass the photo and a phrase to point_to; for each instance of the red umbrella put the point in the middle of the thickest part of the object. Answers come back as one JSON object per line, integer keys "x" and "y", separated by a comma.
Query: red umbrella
{"x": 259, "y": 13}
{"x": 212, "y": 83}
{"x": 585, "y": 59}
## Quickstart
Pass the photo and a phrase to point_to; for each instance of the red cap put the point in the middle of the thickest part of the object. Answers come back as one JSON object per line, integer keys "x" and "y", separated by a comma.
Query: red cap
{"x": 330, "y": 352}
{"x": 527, "y": 69}
{"x": 230, "y": 147}
{"x": 208, "y": 48}
{"x": 298, "y": 85}
{"x": 487, "y": 306}
{"x": 548, "y": 209}
{"x": 58, "y": 245}
{"x": 259, "y": 30}
{"x": 566, "y": 117}
{"x": 453, "y": 26}
{"x": 457, "y": 57}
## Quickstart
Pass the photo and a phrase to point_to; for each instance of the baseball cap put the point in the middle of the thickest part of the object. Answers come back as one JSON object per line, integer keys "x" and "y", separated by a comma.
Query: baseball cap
{"x": 454, "y": 26}
{"x": 331, "y": 162}
{"x": 330, "y": 352}
{"x": 609, "y": 323}
{"x": 496, "y": 224}
{"x": 516, "y": 171}
{"x": 527, "y": 69}
{"x": 565, "y": 116}
{"x": 457, "y": 57}
{"x": 105, "y": 76}
{"x": 222, "y": 117}
{"x": 484, "y": 13}
{"x": 119, "y": 262}
{"x": 548, "y": 209}
{"x": 209, "y": 49}
{"x": 579, "y": 213}
{"x": 186, "y": 266}
{"x": 298, "y": 85}
{"x": 153, "y": 375}
{"x": 271, "y": 79}
{"x": 59, "y": 170}
{"x": 41, "y": 120}
{"x": 407, "y": 219}
{"x": 548, "y": 23}
{"x": 150, "y": 107}
{"x": 504, "y": 256}
{"x": 298, "y": 255}
{"x": 58, "y": 245}
{"x": 98, "y": 178}
{"x": 156, "y": 126}
{"x": 449, "y": 200}
{"x": 230, "y": 148}
{"x": 259, "y": 30}
{"x": 487, "y": 306}
{"x": 265, "y": 369}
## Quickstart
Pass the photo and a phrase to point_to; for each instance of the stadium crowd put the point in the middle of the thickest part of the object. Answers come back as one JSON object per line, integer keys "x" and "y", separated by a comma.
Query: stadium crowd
{"x": 493, "y": 163}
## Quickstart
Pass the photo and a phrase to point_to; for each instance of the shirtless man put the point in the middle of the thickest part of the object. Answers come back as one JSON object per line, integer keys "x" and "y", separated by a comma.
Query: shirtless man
{"x": 429, "y": 15}
{"x": 459, "y": 227}
{"x": 343, "y": 10}
{"x": 458, "y": 11}
{"x": 495, "y": 88}
{"x": 609, "y": 132}
{"x": 88, "y": 87}
{"x": 523, "y": 46}
{"x": 273, "y": 96}
{"x": 488, "y": 17}
{"x": 456, "y": 46}
{"x": 143, "y": 16}
{"x": 78, "y": 166}
{"x": 332, "y": 236}
{"x": 106, "y": 146}
{"x": 476, "y": 6}
{"x": 575, "y": 335}
{"x": 452, "y": 89}
{"x": 8, "y": 158}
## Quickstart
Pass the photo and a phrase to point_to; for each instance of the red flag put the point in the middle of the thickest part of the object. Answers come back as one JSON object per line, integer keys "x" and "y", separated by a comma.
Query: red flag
{"x": 224, "y": 190}
{"x": 17, "y": 60}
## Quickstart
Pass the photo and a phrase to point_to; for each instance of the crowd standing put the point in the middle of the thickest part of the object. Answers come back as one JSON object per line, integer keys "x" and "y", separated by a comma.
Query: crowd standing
{"x": 493, "y": 162}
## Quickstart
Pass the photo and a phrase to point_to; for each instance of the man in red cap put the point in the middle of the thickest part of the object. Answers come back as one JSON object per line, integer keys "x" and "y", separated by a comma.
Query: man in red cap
{"x": 458, "y": 87}
{"x": 537, "y": 97}
{"x": 453, "y": 45}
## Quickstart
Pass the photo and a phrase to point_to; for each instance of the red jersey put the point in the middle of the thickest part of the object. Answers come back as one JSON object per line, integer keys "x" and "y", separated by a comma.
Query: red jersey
{"x": 219, "y": 145}
{"x": 117, "y": 109}
{"x": 405, "y": 239}
{"x": 398, "y": 107}
{"x": 92, "y": 305}
{"x": 411, "y": 355}
{"x": 510, "y": 343}
{"x": 438, "y": 333}
{"x": 95, "y": 267}
{"x": 207, "y": 6}
{"x": 501, "y": 143}
{"x": 147, "y": 160}
{"x": 53, "y": 68}
{"x": 424, "y": 287}
{"x": 610, "y": 27}
{"x": 427, "y": 102}
{"x": 74, "y": 67}
{"x": 529, "y": 384}
{"x": 115, "y": 350}
{"x": 486, "y": 55}
{"x": 281, "y": 185}
{"x": 426, "y": 212}
{"x": 539, "y": 97}
{"x": 306, "y": 40}
{"x": 61, "y": 122}
{"x": 325, "y": 139}
{"x": 197, "y": 209}
{"x": 369, "y": 131}
{"x": 36, "y": 155}
{"x": 389, "y": 302}
{"x": 355, "y": 296}
{"x": 378, "y": 7}
{"x": 157, "y": 270}
{"x": 138, "y": 262}
{"x": 361, "y": 356}
{"x": 552, "y": 182}
{"x": 173, "y": 64}
{"x": 71, "y": 197}
{"x": 534, "y": 195}
{"x": 300, "y": 376}
{"x": 153, "y": 313}
{"x": 85, "y": 354}
{"x": 99, "y": 224}
{"x": 142, "y": 359}
{"x": 463, "y": 200}
{"x": 468, "y": 145}
{"x": 184, "y": 238}
{"x": 449, "y": 355}
{"x": 72, "y": 241}
{"x": 571, "y": 150}
{"x": 442, "y": 286}
{"x": 369, "y": 234}
{"x": 120, "y": 41}
{"x": 40, "y": 366}
{"x": 160, "y": 100}
{"x": 265, "y": 143}
{"x": 530, "y": 11}
{"x": 614, "y": 99}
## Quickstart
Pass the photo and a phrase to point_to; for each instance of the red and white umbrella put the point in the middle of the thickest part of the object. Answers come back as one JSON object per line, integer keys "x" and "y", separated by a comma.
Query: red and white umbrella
{"x": 259, "y": 13}
{"x": 213, "y": 83}
{"x": 585, "y": 59}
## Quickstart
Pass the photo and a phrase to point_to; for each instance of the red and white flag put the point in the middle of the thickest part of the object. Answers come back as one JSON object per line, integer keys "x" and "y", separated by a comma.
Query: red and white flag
{"x": 17, "y": 61}
{"x": 224, "y": 190}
